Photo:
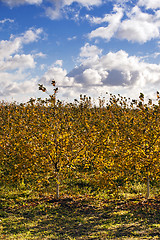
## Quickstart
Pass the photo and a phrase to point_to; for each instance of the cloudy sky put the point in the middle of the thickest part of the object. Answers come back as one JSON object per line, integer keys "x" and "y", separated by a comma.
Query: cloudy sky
{"x": 87, "y": 46}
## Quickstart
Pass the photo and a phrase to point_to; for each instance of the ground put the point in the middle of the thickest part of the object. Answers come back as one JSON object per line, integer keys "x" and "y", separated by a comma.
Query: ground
{"x": 28, "y": 217}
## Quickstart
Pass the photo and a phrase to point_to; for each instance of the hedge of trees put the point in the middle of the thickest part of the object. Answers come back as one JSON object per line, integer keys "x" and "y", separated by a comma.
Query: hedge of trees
{"x": 111, "y": 144}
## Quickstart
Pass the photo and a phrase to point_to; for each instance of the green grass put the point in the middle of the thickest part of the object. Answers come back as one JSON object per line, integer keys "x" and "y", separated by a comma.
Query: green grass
{"x": 28, "y": 216}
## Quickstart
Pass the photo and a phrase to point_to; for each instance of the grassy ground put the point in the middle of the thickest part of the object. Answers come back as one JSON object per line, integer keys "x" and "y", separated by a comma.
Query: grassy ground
{"x": 42, "y": 217}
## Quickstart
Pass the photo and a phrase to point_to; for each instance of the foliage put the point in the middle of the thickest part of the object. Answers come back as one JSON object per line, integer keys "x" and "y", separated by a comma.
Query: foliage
{"x": 109, "y": 145}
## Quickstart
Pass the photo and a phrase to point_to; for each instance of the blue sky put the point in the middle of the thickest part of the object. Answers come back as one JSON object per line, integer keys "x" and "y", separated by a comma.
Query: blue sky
{"x": 87, "y": 46}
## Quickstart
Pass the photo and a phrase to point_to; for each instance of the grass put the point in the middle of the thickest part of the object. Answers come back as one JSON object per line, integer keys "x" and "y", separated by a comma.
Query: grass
{"x": 27, "y": 216}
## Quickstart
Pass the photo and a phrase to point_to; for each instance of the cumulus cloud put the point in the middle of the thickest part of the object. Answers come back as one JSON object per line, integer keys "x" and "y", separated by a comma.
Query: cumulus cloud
{"x": 114, "y": 71}
{"x": 91, "y": 77}
{"x": 149, "y": 4}
{"x": 31, "y": 35}
{"x": 89, "y": 51}
{"x": 13, "y": 64}
{"x": 85, "y": 3}
{"x": 113, "y": 20}
{"x": 59, "y": 75}
{"x": 140, "y": 27}
{"x": 13, "y": 3}
{"x": 54, "y": 12}
{"x": 14, "y": 85}
{"x": 137, "y": 26}
{"x": 14, "y": 44}
{"x": 58, "y": 7}
{"x": 18, "y": 62}
{"x": 107, "y": 70}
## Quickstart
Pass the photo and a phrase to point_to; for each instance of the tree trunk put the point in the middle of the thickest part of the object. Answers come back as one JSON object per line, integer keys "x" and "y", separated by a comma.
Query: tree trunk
{"x": 57, "y": 187}
{"x": 148, "y": 187}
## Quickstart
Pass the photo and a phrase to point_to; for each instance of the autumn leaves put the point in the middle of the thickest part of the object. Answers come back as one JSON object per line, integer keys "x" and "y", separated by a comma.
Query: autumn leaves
{"x": 110, "y": 145}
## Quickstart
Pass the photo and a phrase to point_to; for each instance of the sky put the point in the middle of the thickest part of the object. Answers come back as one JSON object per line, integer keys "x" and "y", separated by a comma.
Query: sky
{"x": 88, "y": 47}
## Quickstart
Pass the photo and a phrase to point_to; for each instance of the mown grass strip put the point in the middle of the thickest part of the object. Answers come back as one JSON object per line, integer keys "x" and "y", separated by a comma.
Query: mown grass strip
{"x": 27, "y": 216}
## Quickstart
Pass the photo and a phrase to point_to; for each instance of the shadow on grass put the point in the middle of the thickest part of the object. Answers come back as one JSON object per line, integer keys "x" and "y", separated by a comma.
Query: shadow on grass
{"x": 79, "y": 218}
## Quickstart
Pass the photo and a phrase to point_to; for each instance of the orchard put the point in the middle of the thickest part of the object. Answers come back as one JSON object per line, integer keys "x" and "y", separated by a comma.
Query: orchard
{"x": 46, "y": 142}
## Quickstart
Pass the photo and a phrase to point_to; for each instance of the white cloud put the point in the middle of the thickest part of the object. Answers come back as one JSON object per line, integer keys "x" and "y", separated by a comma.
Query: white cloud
{"x": 91, "y": 77}
{"x": 86, "y": 3}
{"x": 108, "y": 18}
{"x": 13, "y": 84}
{"x": 68, "y": 88}
{"x": 54, "y": 12}
{"x": 13, "y": 3}
{"x": 113, "y": 21}
{"x": 117, "y": 71}
{"x": 14, "y": 65}
{"x": 40, "y": 55}
{"x": 12, "y": 46}
{"x": 32, "y": 35}
{"x": 6, "y": 20}
{"x": 114, "y": 72}
{"x": 59, "y": 63}
{"x": 57, "y": 8}
{"x": 59, "y": 75}
{"x": 18, "y": 62}
{"x": 107, "y": 70}
{"x": 156, "y": 54}
{"x": 140, "y": 27}
{"x": 60, "y": 3}
{"x": 89, "y": 51}
{"x": 153, "y": 4}
{"x": 71, "y": 38}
